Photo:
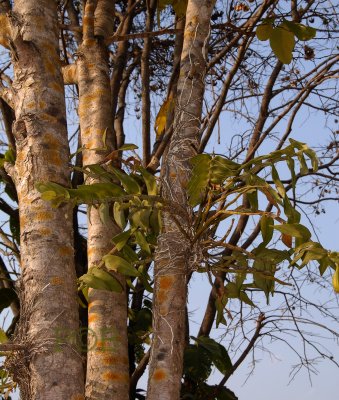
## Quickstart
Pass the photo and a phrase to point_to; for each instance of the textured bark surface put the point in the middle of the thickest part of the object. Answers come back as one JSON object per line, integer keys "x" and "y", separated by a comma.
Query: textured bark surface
{"x": 49, "y": 317}
{"x": 175, "y": 257}
{"x": 107, "y": 359}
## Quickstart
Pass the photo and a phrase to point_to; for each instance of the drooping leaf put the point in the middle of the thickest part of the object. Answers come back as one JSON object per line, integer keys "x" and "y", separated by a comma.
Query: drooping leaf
{"x": 87, "y": 194}
{"x": 301, "y": 31}
{"x": 208, "y": 169}
{"x": 282, "y": 43}
{"x": 3, "y": 336}
{"x": 165, "y": 110}
{"x": 128, "y": 146}
{"x": 104, "y": 213}
{"x": 53, "y": 192}
{"x": 150, "y": 182}
{"x": 266, "y": 227}
{"x": 335, "y": 279}
{"x": 264, "y": 31}
{"x": 295, "y": 230}
{"x": 217, "y": 353}
{"x": 121, "y": 239}
{"x": 119, "y": 215}
{"x": 278, "y": 184}
{"x": 197, "y": 363}
{"x": 130, "y": 184}
{"x": 179, "y": 7}
{"x": 119, "y": 264}
{"x": 97, "y": 278}
{"x": 142, "y": 242}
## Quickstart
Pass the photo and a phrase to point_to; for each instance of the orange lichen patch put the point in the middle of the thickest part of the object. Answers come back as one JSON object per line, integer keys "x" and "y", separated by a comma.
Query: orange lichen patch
{"x": 110, "y": 359}
{"x": 56, "y": 86}
{"x": 65, "y": 250}
{"x": 56, "y": 281}
{"x": 53, "y": 158}
{"x": 44, "y": 231}
{"x": 162, "y": 296}
{"x": 52, "y": 140}
{"x": 89, "y": 42}
{"x": 159, "y": 374}
{"x": 165, "y": 282}
{"x": 43, "y": 216}
{"x": 92, "y": 318}
{"x": 42, "y": 104}
{"x": 48, "y": 117}
{"x": 77, "y": 397}
{"x": 50, "y": 66}
{"x": 110, "y": 376}
{"x": 95, "y": 95}
{"x": 31, "y": 105}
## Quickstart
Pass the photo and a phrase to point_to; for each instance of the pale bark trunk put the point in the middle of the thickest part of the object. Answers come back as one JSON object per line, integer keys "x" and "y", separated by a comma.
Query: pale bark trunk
{"x": 174, "y": 257}
{"x": 107, "y": 359}
{"x": 49, "y": 323}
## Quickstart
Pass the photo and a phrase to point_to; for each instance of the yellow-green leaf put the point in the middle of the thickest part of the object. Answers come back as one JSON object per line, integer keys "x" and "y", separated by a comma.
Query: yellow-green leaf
{"x": 3, "y": 336}
{"x": 161, "y": 120}
{"x": 282, "y": 43}
{"x": 120, "y": 265}
{"x": 180, "y": 7}
{"x": 301, "y": 31}
{"x": 264, "y": 31}
{"x": 335, "y": 279}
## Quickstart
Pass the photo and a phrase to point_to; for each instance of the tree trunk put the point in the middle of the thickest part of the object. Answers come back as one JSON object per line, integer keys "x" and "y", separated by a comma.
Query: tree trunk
{"x": 107, "y": 359}
{"x": 174, "y": 257}
{"x": 52, "y": 368}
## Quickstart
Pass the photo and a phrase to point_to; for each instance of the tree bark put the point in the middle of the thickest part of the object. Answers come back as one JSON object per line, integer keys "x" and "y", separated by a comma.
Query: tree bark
{"x": 52, "y": 368}
{"x": 107, "y": 358}
{"x": 175, "y": 255}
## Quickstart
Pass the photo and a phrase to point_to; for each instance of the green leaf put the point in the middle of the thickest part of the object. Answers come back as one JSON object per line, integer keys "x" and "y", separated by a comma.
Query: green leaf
{"x": 104, "y": 213}
{"x": 142, "y": 242}
{"x": 264, "y": 31}
{"x": 3, "y": 336}
{"x": 119, "y": 215}
{"x": 295, "y": 230}
{"x": 130, "y": 185}
{"x": 282, "y": 43}
{"x": 119, "y": 264}
{"x": 121, "y": 239}
{"x": 53, "y": 192}
{"x": 96, "y": 192}
{"x": 302, "y": 32}
{"x": 112, "y": 283}
{"x": 140, "y": 218}
{"x": 129, "y": 254}
{"x": 101, "y": 280}
{"x": 150, "y": 181}
{"x": 280, "y": 187}
{"x": 252, "y": 196}
{"x": 10, "y": 156}
{"x": 128, "y": 146}
{"x": 208, "y": 170}
{"x": 180, "y": 7}
{"x": 244, "y": 298}
{"x": 220, "y": 304}
{"x": 290, "y": 212}
{"x": 197, "y": 363}
{"x": 266, "y": 227}
{"x": 217, "y": 353}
